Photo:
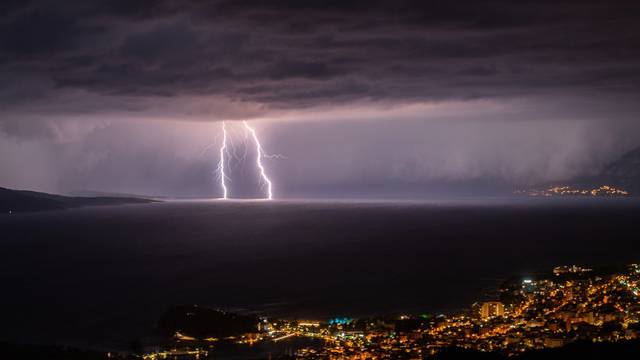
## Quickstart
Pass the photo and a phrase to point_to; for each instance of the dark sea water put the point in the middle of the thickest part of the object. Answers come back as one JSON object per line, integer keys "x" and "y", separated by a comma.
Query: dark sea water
{"x": 100, "y": 277}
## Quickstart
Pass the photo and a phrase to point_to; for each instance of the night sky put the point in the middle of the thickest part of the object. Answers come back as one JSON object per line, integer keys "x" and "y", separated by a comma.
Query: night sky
{"x": 361, "y": 98}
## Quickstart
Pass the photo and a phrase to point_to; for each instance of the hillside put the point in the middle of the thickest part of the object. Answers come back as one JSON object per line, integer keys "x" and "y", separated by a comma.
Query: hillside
{"x": 25, "y": 201}
{"x": 624, "y": 172}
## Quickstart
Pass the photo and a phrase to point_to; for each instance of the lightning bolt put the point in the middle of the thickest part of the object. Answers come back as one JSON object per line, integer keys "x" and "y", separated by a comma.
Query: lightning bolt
{"x": 221, "y": 163}
{"x": 263, "y": 175}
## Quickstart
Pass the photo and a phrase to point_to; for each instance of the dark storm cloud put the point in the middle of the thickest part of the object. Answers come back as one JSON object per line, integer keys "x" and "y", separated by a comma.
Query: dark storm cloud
{"x": 304, "y": 53}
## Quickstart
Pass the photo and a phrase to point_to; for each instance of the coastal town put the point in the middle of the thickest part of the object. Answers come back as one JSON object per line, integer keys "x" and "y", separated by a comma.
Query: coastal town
{"x": 550, "y": 310}
{"x": 572, "y": 191}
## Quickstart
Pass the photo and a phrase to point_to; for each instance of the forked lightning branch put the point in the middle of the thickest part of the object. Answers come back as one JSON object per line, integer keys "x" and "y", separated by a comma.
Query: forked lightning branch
{"x": 225, "y": 155}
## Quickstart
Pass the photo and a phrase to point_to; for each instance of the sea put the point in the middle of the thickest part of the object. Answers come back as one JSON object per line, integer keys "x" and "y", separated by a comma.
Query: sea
{"x": 100, "y": 277}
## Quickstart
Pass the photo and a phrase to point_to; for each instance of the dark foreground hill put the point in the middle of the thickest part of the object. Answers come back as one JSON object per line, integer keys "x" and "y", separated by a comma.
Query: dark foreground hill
{"x": 24, "y": 201}
{"x": 202, "y": 322}
{"x": 577, "y": 350}
{"x": 580, "y": 350}
{"x": 44, "y": 352}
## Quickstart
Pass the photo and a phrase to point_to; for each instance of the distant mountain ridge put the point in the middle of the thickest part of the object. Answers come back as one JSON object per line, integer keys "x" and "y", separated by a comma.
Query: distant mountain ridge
{"x": 623, "y": 173}
{"x": 12, "y": 201}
